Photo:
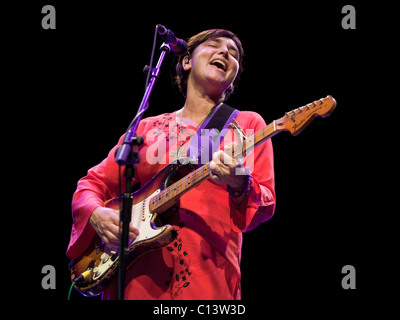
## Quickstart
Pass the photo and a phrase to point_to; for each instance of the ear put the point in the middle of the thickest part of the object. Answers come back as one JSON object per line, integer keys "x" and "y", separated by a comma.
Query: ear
{"x": 229, "y": 91}
{"x": 187, "y": 63}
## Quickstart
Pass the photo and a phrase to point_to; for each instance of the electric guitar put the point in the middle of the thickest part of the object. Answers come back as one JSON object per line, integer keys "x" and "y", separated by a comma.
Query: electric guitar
{"x": 97, "y": 267}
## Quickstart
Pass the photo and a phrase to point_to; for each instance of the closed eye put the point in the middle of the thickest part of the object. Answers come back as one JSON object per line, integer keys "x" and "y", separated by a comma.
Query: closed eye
{"x": 217, "y": 43}
{"x": 234, "y": 54}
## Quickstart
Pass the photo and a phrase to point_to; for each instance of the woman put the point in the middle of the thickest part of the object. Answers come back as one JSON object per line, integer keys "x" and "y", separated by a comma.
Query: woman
{"x": 204, "y": 260}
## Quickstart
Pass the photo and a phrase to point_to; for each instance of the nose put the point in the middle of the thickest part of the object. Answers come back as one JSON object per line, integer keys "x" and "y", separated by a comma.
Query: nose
{"x": 224, "y": 52}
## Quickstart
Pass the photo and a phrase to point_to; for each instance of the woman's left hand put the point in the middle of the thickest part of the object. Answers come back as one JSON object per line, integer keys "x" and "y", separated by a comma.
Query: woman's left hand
{"x": 227, "y": 170}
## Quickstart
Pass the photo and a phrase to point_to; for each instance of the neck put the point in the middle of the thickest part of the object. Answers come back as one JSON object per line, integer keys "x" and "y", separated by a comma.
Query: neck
{"x": 196, "y": 109}
{"x": 198, "y": 104}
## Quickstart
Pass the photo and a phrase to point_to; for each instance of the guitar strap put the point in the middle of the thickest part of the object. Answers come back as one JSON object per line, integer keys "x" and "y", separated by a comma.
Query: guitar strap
{"x": 211, "y": 133}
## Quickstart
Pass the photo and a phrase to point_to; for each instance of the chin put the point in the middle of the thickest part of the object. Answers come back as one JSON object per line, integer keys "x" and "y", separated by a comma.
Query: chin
{"x": 218, "y": 82}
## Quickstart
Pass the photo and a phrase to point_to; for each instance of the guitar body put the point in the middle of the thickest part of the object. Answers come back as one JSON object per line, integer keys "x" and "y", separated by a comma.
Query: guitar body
{"x": 101, "y": 264}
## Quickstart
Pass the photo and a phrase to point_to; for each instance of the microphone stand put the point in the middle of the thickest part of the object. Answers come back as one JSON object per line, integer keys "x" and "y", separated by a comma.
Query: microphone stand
{"x": 125, "y": 155}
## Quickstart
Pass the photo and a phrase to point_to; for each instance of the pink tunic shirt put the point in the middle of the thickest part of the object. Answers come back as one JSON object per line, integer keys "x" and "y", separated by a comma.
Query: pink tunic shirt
{"x": 203, "y": 262}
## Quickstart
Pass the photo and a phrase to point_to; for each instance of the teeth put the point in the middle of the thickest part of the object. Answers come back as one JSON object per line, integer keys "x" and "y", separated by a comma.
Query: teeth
{"x": 220, "y": 62}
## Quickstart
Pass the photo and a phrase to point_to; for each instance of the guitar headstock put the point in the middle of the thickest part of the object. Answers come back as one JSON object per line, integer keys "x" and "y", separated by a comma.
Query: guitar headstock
{"x": 298, "y": 119}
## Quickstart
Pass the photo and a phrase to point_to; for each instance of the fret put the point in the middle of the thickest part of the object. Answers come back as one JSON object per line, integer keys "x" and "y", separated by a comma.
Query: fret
{"x": 186, "y": 183}
{"x": 179, "y": 184}
{"x": 192, "y": 178}
{"x": 162, "y": 197}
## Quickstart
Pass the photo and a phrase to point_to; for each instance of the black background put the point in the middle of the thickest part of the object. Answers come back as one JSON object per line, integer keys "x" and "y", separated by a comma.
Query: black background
{"x": 80, "y": 86}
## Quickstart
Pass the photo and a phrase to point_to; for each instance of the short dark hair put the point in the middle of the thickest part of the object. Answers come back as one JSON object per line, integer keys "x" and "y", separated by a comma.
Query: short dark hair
{"x": 193, "y": 43}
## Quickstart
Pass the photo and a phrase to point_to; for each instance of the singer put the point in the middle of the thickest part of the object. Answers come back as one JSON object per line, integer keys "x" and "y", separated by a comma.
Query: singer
{"x": 203, "y": 261}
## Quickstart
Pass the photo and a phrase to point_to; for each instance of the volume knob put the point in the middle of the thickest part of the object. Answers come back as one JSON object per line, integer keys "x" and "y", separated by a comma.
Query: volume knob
{"x": 104, "y": 257}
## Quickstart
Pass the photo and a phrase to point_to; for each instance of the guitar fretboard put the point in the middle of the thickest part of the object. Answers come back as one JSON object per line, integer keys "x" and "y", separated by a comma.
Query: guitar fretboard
{"x": 197, "y": 176}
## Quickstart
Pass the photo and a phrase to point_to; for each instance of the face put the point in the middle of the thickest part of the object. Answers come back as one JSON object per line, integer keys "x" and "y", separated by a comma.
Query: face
{"x": 214, "y": 65}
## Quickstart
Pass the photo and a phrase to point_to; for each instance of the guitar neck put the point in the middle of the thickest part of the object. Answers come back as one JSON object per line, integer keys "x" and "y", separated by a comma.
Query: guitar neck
{"x": 259, "y": 137}
{"x": 170, "y": 194}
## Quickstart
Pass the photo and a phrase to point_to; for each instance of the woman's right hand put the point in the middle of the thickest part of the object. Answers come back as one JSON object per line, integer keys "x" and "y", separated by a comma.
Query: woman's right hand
{"x": 105, "y": 221}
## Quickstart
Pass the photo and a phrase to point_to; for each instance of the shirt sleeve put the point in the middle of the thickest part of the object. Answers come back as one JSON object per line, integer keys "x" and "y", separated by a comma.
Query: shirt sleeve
{"x": 99, "y": 185}
{"x": 260, "y": 203}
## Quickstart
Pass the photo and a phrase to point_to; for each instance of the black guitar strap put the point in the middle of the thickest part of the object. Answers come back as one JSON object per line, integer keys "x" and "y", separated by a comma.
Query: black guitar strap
{"x": 211, "y": 133}
{"x": 222, "y": 117}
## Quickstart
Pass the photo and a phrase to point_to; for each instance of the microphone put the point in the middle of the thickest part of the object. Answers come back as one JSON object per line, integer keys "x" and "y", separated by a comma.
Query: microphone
{"x": 179, "y": 47}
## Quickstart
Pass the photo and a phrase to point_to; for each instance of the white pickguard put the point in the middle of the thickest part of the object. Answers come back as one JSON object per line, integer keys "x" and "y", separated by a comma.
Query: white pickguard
{"x": 141, "y": 219}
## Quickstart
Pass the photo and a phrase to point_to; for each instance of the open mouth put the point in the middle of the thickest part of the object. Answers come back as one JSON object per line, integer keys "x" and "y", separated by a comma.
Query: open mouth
{"x": 219, "y": 64}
